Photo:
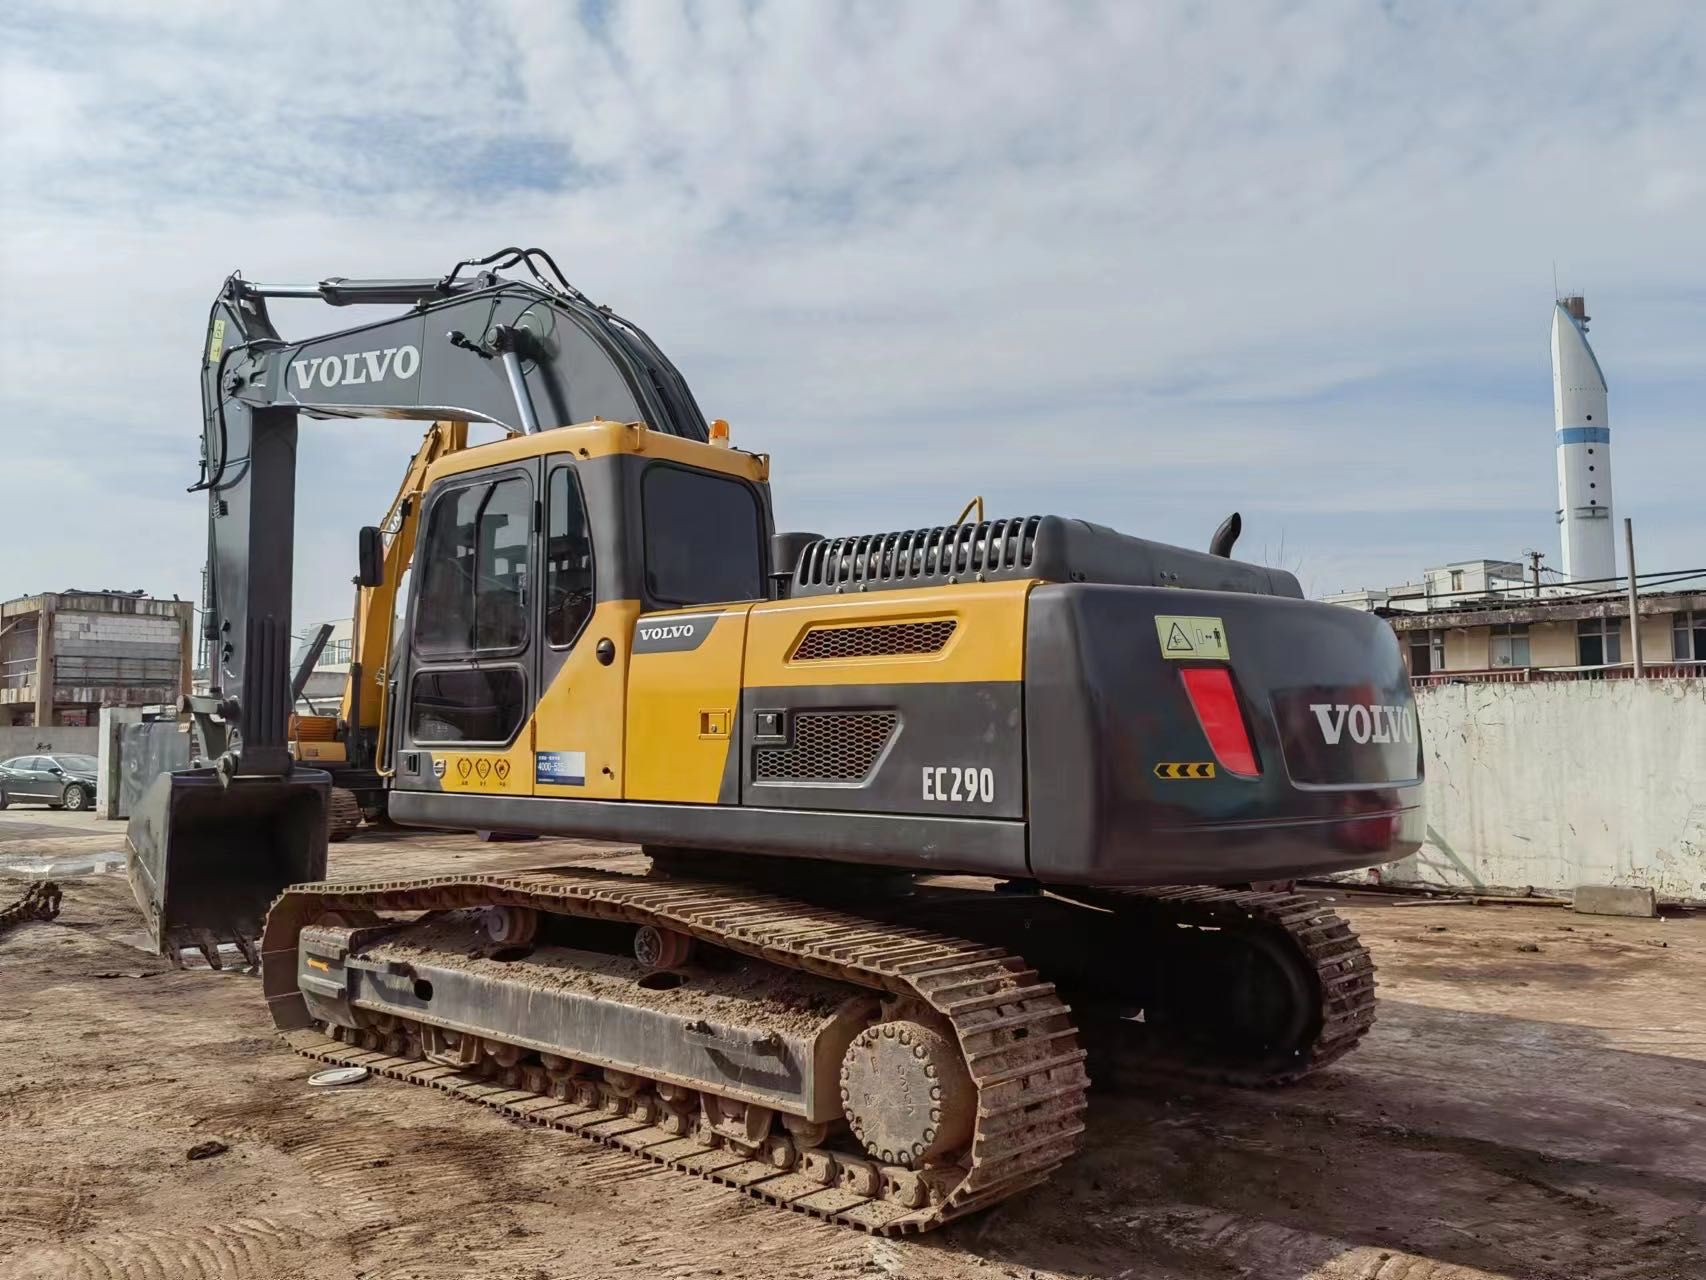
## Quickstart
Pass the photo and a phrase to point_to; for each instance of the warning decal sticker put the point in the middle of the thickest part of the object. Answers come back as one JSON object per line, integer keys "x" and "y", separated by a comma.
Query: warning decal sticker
{"x": 1192, "y": 637}
{"x": 1198, "y": 769}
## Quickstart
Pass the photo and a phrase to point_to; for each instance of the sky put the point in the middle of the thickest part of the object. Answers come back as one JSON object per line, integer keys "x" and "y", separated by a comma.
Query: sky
{"x": 1139, "y": 263}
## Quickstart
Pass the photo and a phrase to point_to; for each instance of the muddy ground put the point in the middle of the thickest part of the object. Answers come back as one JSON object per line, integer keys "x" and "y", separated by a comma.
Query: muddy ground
{"x": 1516, "y": 1113}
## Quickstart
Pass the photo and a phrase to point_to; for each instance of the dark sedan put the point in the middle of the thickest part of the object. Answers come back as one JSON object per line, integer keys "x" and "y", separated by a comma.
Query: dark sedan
{"x": 59, "y": 781}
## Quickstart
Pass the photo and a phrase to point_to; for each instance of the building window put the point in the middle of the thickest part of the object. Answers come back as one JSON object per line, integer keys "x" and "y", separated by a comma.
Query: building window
{"x": 1509, "y": 645}
{"x": 1427, "y": 652}
{"x": 1688, "y": 636}
{"x": 1421, "y": 656}
{"x": 1599, "y": 642}
{"x": 1457, "y": 579}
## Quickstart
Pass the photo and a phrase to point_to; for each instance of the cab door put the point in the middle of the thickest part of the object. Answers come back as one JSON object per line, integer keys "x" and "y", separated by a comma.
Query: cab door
{"x": 471, "y": 677}
{"x": 585, "y": 628}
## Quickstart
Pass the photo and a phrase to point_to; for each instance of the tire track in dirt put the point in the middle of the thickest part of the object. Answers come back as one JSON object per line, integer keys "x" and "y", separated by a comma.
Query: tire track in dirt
{"x": 375, "y": 1175}
{"x": 42, "y": 1207}
{"x": 245, "y": 1249}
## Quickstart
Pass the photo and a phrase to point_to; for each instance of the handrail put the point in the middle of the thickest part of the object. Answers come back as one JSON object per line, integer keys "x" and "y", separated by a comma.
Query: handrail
{"x": 1542, "y": 675}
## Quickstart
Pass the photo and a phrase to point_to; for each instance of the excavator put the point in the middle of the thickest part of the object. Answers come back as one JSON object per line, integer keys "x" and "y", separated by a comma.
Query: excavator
{"x": 941, "y": 821}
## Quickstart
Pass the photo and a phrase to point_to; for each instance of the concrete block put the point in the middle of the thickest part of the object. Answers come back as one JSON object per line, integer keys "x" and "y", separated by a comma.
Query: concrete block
{"x": 108, "y": 774}
{"x": 1611, "y": 900}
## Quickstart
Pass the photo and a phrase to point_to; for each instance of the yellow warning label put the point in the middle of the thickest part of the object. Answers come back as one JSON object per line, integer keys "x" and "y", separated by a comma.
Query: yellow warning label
{"x": 321, "y": 965}
{"x": 216, "y": 341}
{"x": 1199, "y": 769}
{"x": 1187, "y": 637}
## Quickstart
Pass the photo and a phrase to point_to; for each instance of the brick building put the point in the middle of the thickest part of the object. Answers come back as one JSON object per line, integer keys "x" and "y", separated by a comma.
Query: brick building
{"x": 65, "y": 656}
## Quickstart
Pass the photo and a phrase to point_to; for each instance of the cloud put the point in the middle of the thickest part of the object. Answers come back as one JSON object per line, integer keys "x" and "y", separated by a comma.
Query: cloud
{"x": 1141, "y": 263}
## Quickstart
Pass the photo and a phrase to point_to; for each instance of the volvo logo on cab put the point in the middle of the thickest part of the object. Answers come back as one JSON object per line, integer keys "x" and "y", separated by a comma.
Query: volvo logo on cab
{"x": 1364, "y": 723}
{"x": 674, "y": 631}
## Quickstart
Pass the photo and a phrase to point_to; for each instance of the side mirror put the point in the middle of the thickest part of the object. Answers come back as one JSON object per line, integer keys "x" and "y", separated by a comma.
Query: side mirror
{"x": 370, "y": 558}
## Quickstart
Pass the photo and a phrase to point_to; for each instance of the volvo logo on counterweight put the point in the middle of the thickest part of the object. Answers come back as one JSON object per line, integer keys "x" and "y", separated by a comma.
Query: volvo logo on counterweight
{"x": 356, "y": 368}
{"x": 1364, "y": 723}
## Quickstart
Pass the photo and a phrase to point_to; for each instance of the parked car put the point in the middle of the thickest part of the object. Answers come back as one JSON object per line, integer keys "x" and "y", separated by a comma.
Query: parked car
{"x": 59, "y": 781}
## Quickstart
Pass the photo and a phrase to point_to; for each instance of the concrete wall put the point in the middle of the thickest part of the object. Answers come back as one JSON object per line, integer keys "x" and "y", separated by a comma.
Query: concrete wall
{"x": 26, "y": 741}
{"x": 1555, "y": 784}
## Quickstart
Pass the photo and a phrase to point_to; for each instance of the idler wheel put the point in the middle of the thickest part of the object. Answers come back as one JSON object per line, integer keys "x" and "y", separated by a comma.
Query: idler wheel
{"x": 657, "y": 949}
{"x": 511, "y": 926}
{"x": 906, "y": 1092}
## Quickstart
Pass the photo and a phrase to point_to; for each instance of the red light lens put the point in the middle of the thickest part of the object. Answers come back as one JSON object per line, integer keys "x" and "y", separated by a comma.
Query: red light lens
{"x": 1216, "y": 703}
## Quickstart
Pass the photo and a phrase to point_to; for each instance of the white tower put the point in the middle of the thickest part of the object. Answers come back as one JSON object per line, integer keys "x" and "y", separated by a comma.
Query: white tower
{"x": 1584, "y": 448}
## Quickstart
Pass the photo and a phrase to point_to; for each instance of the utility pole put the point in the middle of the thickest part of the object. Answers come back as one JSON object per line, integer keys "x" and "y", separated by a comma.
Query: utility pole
{"x": 1534, "y": 559}
{"x": 1634, "y": 603}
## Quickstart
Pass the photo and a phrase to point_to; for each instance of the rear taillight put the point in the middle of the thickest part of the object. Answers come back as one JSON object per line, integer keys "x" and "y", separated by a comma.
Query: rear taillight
{"x": 1215, "y": 701}
{"x": 1367, "y": 835}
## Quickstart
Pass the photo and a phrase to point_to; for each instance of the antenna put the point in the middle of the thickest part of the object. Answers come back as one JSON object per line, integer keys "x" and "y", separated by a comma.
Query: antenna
{"x": 1555, "y": 294}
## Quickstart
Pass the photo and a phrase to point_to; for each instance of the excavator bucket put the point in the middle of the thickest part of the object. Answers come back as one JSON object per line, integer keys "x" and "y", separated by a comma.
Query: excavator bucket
{"x": 207, "y": 859}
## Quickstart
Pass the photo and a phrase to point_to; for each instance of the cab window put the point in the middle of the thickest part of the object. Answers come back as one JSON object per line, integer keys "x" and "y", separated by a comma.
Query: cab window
{"x": 704, "y": 537}
{"x": 467, "y": 704}
{"x": 474, "y": 578}
{"x": 568, "y": 560}
{"x": 474, "y": 571}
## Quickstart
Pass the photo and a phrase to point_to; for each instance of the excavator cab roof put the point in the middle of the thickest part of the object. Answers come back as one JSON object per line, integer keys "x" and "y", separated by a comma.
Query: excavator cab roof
{"x": 603, "y": 439}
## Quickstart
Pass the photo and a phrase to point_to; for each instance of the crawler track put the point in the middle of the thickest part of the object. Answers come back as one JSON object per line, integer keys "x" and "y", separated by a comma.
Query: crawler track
{"x": 343, "y": 815}
{"x": 1014, "y": 1031}
{"x": 1334, "y": 973}
{"x": 1112, "y": 951}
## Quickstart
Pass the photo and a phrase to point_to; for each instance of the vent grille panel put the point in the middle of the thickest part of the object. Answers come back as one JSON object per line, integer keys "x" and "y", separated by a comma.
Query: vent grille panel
{"x": 314, "y": 728}
{"x": 948, "y": 553}
{"x": 879, "y": 640}
{"x": 828, "y": 746}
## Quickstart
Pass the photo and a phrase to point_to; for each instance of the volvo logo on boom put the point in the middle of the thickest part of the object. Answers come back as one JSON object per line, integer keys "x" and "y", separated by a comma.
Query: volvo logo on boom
{"x": 1364, "y": 723}
{"x": 356, "y": 368}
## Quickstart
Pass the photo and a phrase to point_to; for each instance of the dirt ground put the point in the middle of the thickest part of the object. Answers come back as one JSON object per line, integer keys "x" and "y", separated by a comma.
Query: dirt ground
{"x": 1515, "y": 1113}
